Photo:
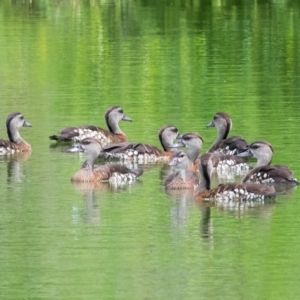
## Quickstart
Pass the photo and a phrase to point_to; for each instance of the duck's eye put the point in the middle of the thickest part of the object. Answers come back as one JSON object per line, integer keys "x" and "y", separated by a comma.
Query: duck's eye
{"x": 187, "y": 138}
{"x": 181, "y": 155}
{"x": 86, "y": 142}
{"x": 121, "y": 111}
{"x": 21, "y": 117}
{"x": 175, "y": 130}
{"x": 254, "y": 147}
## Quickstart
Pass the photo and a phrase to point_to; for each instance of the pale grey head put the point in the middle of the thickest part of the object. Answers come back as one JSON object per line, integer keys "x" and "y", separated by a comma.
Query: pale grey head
{"x": 14, "y": 122}
{"x": 261, "y": 150}
{"x": 193, "y": 141}
{"x": 113, "y": 116}
{"x": 180, "y": 160}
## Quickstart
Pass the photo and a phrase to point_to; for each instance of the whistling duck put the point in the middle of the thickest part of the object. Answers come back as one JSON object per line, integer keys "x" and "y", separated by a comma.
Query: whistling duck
{"x": 263, "y": 172}
{"x": 229, "y": 193}
{"x": 193, "y": 142}
{"x": 112, "y": 173}
{"x": 222, "y": 144}
{"x": 113, "y": 115}
{"x": 182, "y": 178}
{"x": 16, "y": 143}
{"x": 221, "y": 162}
{"x": 143, "y": 153}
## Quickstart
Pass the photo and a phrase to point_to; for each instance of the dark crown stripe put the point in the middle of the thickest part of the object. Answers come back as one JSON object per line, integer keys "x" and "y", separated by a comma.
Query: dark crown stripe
{"x": 193, "y": 134}
{"x": 263, "y": 142}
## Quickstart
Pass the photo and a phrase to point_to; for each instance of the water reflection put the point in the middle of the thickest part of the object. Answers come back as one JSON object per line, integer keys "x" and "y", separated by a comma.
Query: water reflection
{"x": 90, "y": 192}
{"x": 61, "y": 147}
{"x": 180, "y": 211}
{"x": 165, "y": 172}
{"x": 206, "y": 225}
{"x": 15, "y": 170}
{"x": 91, "y": 213}
{"x": 241, "y": 210}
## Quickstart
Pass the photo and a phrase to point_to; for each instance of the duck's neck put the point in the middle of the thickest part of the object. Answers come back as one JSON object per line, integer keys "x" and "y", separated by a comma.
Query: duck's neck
{"x": 113, "y": 126}
{"x": 184, "y": 165}
{"x": 223, "y": 132}
{"x": 166, "y": 141}
{"x": 264, "y": 159}
{"x": 204, "y": 184}
{"x": 14, "y": 135}
{"x": 193, "y": 154}
{"x": 89, "y": 162}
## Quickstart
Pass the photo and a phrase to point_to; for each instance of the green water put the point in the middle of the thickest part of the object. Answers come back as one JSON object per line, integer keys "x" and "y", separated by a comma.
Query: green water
{"x": 64, "y": 63}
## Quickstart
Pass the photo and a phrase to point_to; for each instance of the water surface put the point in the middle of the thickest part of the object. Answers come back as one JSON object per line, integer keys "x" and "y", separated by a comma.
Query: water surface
{"x": 173, "y": 62}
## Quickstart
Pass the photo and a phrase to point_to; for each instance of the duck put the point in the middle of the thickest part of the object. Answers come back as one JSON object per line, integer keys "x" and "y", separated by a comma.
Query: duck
{"x": 222, "y": 144}
{"x": 182, "y": 178}
{"x": 145, "y": 153}
{"x": 221, "y": 162}
{"x": 193, "y": 142}
{"x": 15, "y": 144}
{"x": 114, "y": 134}
{"x": 263, "y": 172}
{"x": 112, "y": 173}
{"x": 229, "y": 193}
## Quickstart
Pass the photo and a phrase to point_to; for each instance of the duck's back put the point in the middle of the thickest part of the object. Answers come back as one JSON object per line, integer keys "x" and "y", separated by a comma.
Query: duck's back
{"x": 135, "y": 152}
{"x": 238, "y": 192}
{"x": 232, "y": 145}
{"x": 278, "y": 174}
{"x": 79, "y": 133}
{"x": 110, "y": 172}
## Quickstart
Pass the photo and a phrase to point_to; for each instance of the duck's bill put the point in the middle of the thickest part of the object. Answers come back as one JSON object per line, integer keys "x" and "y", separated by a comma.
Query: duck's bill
{"x": 173, "y": 162}
{"x": 211, "y": 124}
{"x": 179, "y": 144}
{"x": 245, "y": 153}
{"x": 125, "y": 118}
{"x": 27, "y": 124}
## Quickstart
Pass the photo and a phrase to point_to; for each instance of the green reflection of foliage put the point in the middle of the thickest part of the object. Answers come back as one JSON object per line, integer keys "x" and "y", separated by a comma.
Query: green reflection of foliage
{"x": 177, "y": 62}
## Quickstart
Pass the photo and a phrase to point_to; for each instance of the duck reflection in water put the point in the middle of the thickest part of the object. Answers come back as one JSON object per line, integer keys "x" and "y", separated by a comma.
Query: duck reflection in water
{"x": 91, "y": 212}
{"x": 183, "y": 203}
{"x": 183, "y": 200}
{"x": 15, "y": 168}
{"x": 206, "y": 225}
{"x": 90, "y": 192}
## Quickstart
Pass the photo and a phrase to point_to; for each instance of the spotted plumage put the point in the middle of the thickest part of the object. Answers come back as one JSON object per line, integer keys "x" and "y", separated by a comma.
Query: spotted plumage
{"x": 16, "y": 143}
{"x": 113, "y": 173}
{"x": 223, "y": 163}
{"x": 263, "y": 172}
{"x": 229, "y": 193}
{"x": 182, "y": 178}
{"x": 228, "y": 166}
{"x": 145, "y": 153}
{"x": 222, "y": 144}
{"x": 114, "y": 134}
